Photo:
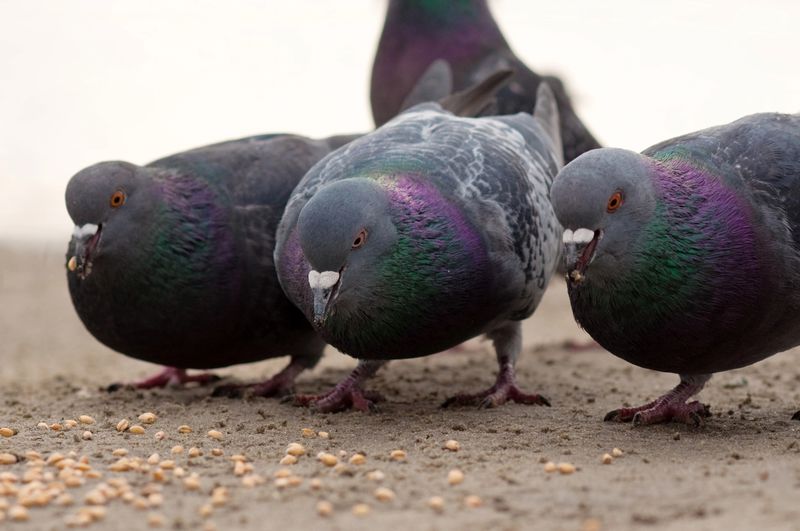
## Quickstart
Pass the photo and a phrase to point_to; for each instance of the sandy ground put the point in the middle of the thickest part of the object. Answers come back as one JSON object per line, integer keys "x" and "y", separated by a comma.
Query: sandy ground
{"x": 740, "y": 471}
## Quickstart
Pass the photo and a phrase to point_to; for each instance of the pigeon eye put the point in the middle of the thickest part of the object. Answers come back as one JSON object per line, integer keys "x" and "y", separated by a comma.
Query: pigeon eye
{"x": 614, "y": 202}
{"x": 117, "y": 199}
{"x": 360, "y": 239}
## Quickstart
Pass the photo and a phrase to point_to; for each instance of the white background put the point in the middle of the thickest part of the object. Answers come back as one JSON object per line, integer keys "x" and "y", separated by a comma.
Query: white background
{"x": 83, "y": 81}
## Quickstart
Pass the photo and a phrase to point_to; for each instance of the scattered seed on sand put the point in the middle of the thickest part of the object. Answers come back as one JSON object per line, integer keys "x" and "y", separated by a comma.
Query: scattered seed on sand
{"x": 194, "y": 452}
{"x": 591, "y": 524}
{"x": 63, "y": 500}
{"x": 455, "y": 476}
{"x": 123, "y": 425}
{"x": 308, "y": 433}
{"x": 179, "y": 472}
{"x": 70, "y": 423}
{"x": 147, "y": 418}
{"x": 192, "y": 482}
{"x": 358, "y": 459}
{"x": 18, "y": 513}
{"x": 7, "y": 459}
{"x": 215, "y": 434}
{"x": 155, "y": 499}
{"x": 472, "y": 501}
{"x": 8, "y": 432}
{"x": 315, "y": 484}
{"x": 119, "y": 452}
{"x": 607, "y": 459}
{"x": 550, "y": 467}
{"x": 155, "y": 520}
{"x": 324, "y": 508}
{"x": 167, "y": 464}
{"x": 86, "y": 435}
{"x": 324, "y": 435}
{"x": 616, "y": 452}
{"x": 56, "y": 426}
{"x": 206, "y": 510}
{"x": 452, "y": 445}
{"x": 177, "y": 449}
{"x": 327, "y": 459}
{"x": 86, "y": 419}
{"x": 398, "y": 455}
{"x": 153, "y": 459}
{"x": 43, "y": 425}
{"x": 295, "y": 449}
{"x": 219, "y": 496}
{"x": 216, "y": 452}
{"x": 282, "y": 473}
{"x": 436, "y": 503}
{"x": 288, "y": 460}
{"x": 160, "y": 436}
{"x": 136, "y": 429}
{"x": 376, "y": 475}
{"x": 566, "y": 468}
{"x": 383, "y": 494}
{"x": 361, "y": 509}
{"x": 238, "y": 457}
{"x": 183, "y": 428}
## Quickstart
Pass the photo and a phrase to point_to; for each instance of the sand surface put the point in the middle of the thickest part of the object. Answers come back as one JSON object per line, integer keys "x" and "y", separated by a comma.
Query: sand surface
{"x": 740, "y": 471}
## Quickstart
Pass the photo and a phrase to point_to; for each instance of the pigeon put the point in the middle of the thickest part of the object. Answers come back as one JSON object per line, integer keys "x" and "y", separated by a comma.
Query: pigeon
{"x": 464, "y": 36}
{"x": 171, "y": 262}
{"x": 431, "y": 230}
{"x": 685, "y": 258}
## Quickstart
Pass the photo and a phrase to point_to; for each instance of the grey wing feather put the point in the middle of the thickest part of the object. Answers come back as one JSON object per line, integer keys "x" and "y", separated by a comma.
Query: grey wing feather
{"x": 499, "y": 169}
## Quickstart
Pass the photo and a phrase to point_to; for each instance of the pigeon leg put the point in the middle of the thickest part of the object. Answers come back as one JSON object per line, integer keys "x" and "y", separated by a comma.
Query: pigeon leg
{"x": 508, "y": 344}
{"x": 670, "y": 407}
{"x": 347, "y": 393}
{"x": 168, "y": 376}
{"x": 281, "y": 384}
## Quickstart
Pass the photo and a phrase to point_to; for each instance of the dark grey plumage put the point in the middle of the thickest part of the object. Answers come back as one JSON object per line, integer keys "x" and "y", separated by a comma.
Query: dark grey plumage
{"x": 694, "y": 269}
{"x": 430, "y": 230}
{"x": 172, "y": 262}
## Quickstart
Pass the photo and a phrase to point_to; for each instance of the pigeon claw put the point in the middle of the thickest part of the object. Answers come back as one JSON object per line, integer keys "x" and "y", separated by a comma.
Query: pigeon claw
{"x": 340, "y": 399}
{"x": 169, "y": 376}
{"x": 496, "y": 396}
{"x": 692, "y": 413}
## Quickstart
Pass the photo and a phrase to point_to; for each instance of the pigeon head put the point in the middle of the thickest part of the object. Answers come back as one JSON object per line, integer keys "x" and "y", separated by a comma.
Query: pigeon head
{"x": 343, "y": 230}
{"x": 105, "y": 201}
{"x": 603, "y": 199}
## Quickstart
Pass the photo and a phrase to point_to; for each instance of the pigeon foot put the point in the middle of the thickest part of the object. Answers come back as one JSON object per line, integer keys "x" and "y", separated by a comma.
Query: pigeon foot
{"x": 659, "y": 411}
{"x": 504, "y": 389}
{"x": 349, "y": 393}
{"x": 170, "y": 376}
{"x": 343, "y": 396}
{"x": 280, "y": 385}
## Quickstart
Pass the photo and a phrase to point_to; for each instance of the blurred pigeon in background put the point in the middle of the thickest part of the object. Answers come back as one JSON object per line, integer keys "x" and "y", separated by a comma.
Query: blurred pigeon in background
{"x": 686, "y": 258}
{"x": 465, "y": 37}
{"x": 427, "y": 232}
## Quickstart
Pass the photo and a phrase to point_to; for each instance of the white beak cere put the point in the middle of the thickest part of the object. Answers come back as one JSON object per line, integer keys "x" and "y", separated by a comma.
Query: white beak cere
{"x": 90, "y": 229}
{"x": 324, "y": 280}
{"x": 579, "y": 236}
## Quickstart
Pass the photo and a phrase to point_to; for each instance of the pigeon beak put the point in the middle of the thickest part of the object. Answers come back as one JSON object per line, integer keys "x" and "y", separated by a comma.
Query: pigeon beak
{"x": 322, "y": 287}
{"x": 85, "y": 238}
{"x": 580, "y": 246}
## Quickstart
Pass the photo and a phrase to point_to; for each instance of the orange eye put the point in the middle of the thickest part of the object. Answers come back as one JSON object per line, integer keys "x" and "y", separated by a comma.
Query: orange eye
{"x": 614, "y": 202}
{"x": 117, "y": 199}
{"x": 360, "y": 239}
